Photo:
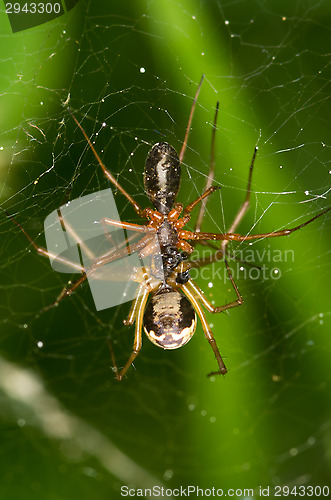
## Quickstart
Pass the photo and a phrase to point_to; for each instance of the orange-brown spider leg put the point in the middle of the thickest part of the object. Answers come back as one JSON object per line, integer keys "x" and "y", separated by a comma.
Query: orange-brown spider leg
{"x": 190, "y": 235}
{"x": 204, "y": 195}
{"x": 65, "y": 292}
{"x": 135, "y": 303}
{"x": 101, "y": 261}
{"x": 104, "y": 259}
{"x": 128, "y": 226}
{"x": 186, "y": 215}
{"x": 42, "y": 251}
{"x": 195, "y": 294}
{"x": 156, "y": 219}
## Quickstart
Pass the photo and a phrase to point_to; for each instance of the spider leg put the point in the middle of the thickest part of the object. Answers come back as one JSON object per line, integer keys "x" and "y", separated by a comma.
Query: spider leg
{"x": 204, "y": 195}
{"x": 242, "y": 209}
{"x": 139, "y": 309}
{"x": 104, "y": 259}
{"x": 128, "y": 226}
{"x": 186, "y": 215}
{"x": 156, "y": 219}
{"x": 42, "y": 251}
{"x": 65, "y": 292}
{"x": 207, "y": 331}
{"x": 135, "y": 303}
{"x": 283, "y": 232}
{"x": 245, "y": 205}
{"x": 147, "y": 244}
{"x": 199, "y": 293}
{"x": 101, "y": 261}
{"x": 182, "y": 151}
{"x": 133, "y": 311}
{"x": 208, "y": 187}
{"x": 210, "y": 177}
{"x": 195, "y": 294}
{"x": 191, "y": 235}
{"x": 142, "y": 212}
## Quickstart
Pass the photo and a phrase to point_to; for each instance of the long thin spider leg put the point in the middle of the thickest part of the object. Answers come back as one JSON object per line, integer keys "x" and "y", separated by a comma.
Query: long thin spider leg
{"x": 136, "y": 206}
{"x": 45, "y": 253}
{"x": 150, "y": 240}
{"x": 201, "y": 296}
{"x": 205, "y": 325}
{"x": 110, "y": 256}
{"x": 107, "y": 258}
{"x": 65, "y": 292}
{"x": 190, "y": 235}
{"x": 128, "y": 226}
{"x": 188, "y": 128}
{"x": 245, "y": 205}
{"x": 204, "y": 195}
{"x": 133, "y": 310}
{"x": 239, "y": 216}
{"x": 136, "y": 304}
{"x": 195, "y": 294}
{"x": 140, "y": 309}
{"x": 210, "y": 177}
{"x": 42, "y": 251}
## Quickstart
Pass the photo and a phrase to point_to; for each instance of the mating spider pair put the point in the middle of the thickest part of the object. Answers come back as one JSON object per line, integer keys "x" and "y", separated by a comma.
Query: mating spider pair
{"x": 169, "y": 318}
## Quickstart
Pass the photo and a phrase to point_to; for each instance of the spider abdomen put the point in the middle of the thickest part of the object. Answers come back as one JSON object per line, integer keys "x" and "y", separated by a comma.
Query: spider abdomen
{"x": 169, "y": 319}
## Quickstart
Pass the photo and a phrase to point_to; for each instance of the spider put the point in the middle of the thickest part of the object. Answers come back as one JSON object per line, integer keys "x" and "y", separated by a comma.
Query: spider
{"x": 169, "y": 318}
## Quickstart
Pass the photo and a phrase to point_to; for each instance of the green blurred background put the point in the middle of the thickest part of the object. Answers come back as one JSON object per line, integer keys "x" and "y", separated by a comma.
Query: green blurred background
{"x": 68, "y": 429}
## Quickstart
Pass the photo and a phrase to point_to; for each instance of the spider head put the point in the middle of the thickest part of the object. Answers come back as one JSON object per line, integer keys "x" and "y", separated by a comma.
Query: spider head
{"x": 162, "y": 176}
{"x": 169, "y": 320}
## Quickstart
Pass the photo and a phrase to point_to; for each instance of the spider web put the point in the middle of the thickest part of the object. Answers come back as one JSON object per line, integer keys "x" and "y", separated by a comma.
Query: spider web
{"x": 129, "y": 72}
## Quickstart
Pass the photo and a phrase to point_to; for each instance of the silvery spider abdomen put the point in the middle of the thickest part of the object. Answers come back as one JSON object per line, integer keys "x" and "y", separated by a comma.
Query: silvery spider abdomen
{"x": 169, "y": 320}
